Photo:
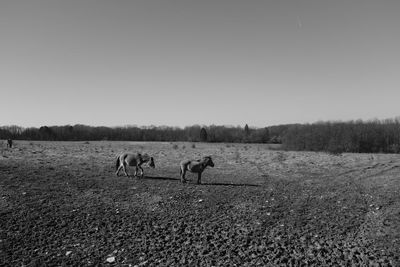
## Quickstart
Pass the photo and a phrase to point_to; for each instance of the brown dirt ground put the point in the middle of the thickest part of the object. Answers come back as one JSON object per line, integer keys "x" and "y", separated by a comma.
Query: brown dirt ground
{"x": 62, "y": 204}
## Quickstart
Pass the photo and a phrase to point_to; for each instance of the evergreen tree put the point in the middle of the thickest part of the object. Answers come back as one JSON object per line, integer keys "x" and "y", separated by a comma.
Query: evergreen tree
{"x": 203, "y": 135}
{"x": 246, "y": 130}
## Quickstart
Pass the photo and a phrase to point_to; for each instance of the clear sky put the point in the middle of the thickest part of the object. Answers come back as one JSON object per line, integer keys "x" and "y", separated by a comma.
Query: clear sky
{"x": 178, "y": 63}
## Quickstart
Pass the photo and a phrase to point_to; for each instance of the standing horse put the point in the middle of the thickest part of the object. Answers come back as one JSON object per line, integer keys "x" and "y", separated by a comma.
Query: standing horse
{"x": 130, "y": 159}
{"x": 195, "y": 166}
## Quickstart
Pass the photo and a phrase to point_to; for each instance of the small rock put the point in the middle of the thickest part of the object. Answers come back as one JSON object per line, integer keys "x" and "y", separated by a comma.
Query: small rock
{"x": 68, "y": 253}
{"x": 110, "y": 259}
{"x": 200, "y": 200}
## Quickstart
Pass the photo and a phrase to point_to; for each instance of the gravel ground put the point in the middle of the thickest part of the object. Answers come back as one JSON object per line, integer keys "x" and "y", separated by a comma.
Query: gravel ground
{"x": 61, "y": 204}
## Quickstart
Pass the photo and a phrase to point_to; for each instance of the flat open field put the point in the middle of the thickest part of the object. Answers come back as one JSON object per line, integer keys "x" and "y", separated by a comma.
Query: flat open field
{"x": 62, "y": 204}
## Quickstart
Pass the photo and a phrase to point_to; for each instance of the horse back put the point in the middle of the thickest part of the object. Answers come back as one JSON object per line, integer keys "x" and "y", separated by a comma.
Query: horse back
{"x": 132, "y": 159}
{"x": 190, "y": 165}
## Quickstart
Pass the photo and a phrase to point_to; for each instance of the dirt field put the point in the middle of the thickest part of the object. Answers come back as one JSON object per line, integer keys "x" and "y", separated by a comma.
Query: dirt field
{"x": 61, "y": 204}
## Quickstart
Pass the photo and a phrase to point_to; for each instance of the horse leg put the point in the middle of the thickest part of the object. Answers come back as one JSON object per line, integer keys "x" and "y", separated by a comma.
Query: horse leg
{"x": 141, "y": 170}
{"x": 136, "y": 170}
{"x": 199, "y": 178}
{"x": 119, "y": 168}
{"x": 124, "y": 168}
{"x": 183, "y": 172}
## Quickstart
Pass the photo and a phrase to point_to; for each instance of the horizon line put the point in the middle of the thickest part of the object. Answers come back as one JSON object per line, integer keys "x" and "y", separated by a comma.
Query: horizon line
{"x": 396, "y": 118}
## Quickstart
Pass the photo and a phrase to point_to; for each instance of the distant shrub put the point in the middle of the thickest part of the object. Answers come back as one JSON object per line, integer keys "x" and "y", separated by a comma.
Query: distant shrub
{"x": 175, "y": 146}
{"x": 275, "y": 147}
{"x": 183, "y": 147}
{"x": 193, "y": 145}
{"x": 335, "y": 151}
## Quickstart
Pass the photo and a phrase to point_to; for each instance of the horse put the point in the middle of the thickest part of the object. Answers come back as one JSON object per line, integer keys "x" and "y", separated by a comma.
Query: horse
{"x": 195, "y": 166}
{"x": 9, "y": 143}
{"x": 130, "y": 159}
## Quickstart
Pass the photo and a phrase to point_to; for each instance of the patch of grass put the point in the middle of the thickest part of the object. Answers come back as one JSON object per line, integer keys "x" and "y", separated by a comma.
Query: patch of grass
{"x": 255, "y": 192}
{"x": 237, "y": 155}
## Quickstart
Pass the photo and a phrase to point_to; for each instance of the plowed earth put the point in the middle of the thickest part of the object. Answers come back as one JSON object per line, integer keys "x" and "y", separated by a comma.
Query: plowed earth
{"x": 62, "y": 204}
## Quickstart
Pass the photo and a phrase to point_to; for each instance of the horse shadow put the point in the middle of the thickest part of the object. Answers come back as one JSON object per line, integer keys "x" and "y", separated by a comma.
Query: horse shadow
{"x": 217, "y": 184}
{"x": 161, "y": 178}
{"x": 231, "y": 184}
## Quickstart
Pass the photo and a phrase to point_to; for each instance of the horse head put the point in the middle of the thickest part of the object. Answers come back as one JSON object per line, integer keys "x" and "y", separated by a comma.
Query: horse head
{"x": 151, "y": 164}
{"x": 209, "y": 161}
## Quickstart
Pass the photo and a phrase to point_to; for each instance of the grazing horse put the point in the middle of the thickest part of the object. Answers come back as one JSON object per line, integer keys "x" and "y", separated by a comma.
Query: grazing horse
{"x": 195, "y": 166}
{"x": 130, "y": 159}
{"x": 9, "y": 143}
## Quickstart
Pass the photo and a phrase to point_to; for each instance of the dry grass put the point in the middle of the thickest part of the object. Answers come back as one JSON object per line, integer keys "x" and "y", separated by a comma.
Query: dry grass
{"x": 61, "y": 203}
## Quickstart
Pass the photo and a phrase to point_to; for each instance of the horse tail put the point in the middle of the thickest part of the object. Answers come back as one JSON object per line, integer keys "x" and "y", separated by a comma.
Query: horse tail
{"x": 117, "y": 163}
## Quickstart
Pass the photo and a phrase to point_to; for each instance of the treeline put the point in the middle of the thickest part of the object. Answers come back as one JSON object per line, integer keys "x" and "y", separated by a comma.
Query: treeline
{"x": 335, "y": 137}
{"x": 194, "y": 133}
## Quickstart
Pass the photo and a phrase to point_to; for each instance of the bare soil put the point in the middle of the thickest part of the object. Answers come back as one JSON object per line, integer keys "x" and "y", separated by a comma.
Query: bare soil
{"x": 62, "y": 204}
